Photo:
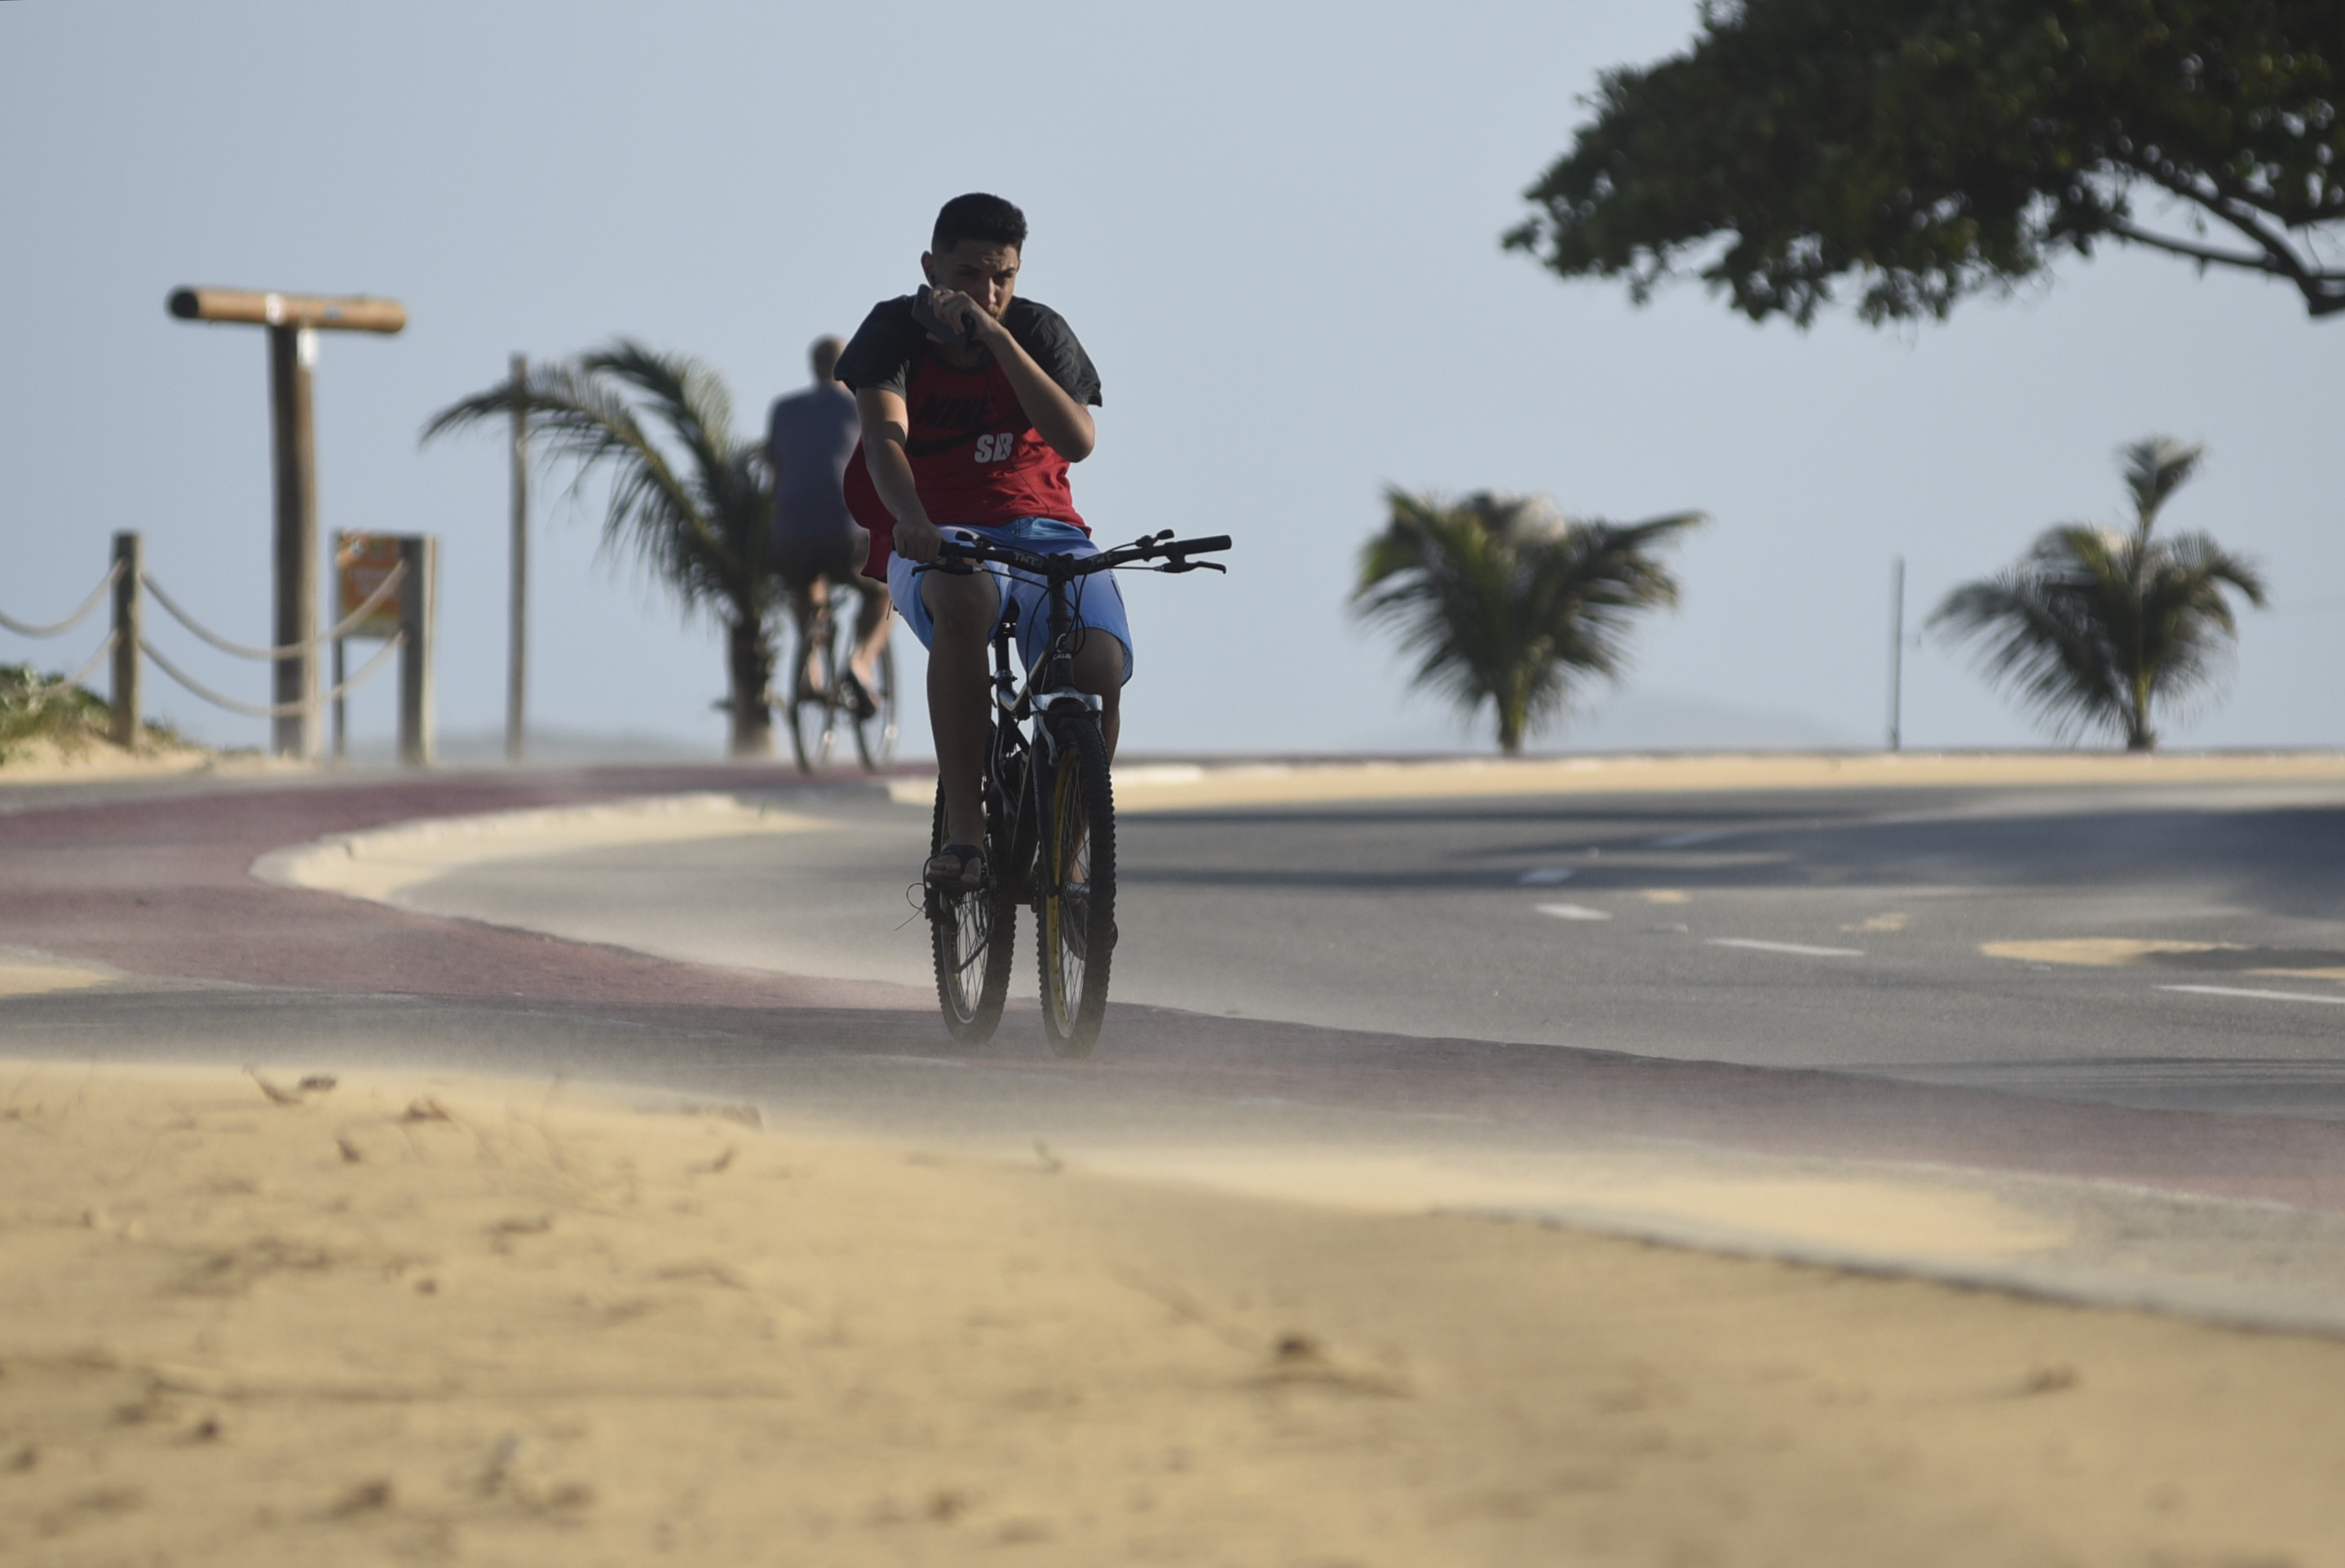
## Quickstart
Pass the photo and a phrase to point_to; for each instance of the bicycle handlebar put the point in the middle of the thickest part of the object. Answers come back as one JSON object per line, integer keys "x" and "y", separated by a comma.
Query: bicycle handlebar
{"x": 963, "y": 554}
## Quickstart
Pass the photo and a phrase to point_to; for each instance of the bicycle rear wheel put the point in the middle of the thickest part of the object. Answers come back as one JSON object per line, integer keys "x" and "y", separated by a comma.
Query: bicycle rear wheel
{"x": 874, "y": 738}
{"x": 974, "y": 936}
{"x": 814, "y": 677}
{"x": 1074, "y": 894}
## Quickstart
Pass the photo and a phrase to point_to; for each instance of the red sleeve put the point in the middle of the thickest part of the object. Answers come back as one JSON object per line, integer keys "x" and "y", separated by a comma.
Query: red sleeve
{"x": 864, "y": 504}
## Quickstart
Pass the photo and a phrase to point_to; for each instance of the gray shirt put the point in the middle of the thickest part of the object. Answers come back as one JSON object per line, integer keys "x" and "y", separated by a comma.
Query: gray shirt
{"x": 810, "y": 437}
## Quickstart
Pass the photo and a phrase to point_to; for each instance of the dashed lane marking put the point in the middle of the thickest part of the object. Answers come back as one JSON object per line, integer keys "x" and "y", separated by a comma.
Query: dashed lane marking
{"x": 2257, "y": 995}
{"x": 1688, "y": 841}
{"x": 1800, "y": 948}
{"x": 1572, "y": 911}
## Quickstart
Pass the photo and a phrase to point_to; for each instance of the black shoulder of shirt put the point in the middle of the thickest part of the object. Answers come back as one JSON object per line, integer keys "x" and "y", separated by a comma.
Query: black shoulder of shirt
{"x": 882, "y": 352}
{"x": 889, "y": 344}
{"x": 1044, "y": 333}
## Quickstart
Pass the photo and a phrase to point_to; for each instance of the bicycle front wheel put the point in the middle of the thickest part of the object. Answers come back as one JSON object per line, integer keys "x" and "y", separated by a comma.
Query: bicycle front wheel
{"x": 814, "y": 677}
{"x": 1074, "y": 896}
{"x": 874, "y": 738}
{"x": 974, "y": 936}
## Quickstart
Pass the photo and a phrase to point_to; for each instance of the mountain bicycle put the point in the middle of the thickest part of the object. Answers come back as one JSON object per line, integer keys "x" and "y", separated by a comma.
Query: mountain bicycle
{"x": 1049, "y": 811}
{"x": 821, "y": 699}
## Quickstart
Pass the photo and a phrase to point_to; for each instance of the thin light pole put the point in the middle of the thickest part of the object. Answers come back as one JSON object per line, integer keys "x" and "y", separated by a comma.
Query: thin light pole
{"x": 517, "y": 645}
{"x": 1896, "y": 649}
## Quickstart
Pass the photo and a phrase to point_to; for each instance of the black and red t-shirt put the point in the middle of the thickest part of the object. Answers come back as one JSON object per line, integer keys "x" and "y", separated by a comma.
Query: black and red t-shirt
{"x": 976, "y": 457}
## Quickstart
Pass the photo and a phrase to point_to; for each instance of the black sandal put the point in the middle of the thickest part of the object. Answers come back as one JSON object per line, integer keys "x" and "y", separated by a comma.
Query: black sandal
{"x": 956, "y": 878}
{"x": 858, "y": 696}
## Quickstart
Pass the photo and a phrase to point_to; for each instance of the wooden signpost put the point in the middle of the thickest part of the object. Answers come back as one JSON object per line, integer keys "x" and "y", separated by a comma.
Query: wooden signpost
{"x": 293, "y": 322}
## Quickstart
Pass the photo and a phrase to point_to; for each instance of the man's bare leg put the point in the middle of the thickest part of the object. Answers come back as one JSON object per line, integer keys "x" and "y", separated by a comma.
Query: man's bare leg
{"x": 962, "y": 611}
{"x": 802, "y": 606}
{"x": 872, "y": 615}
{"x": 1099, "y": 669}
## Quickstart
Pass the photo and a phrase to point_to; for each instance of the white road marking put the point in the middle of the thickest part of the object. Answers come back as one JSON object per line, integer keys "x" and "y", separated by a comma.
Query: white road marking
{"x": 1688, "y": 841}
{"x": 1800, "y": 948}
{"x": 1572, "y": 911}
{"x": 2258, "y": 995}
{"x": 1545, "y": 876}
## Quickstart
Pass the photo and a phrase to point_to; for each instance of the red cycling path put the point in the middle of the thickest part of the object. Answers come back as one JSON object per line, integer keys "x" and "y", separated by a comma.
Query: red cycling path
{"x": 152, "y": 882}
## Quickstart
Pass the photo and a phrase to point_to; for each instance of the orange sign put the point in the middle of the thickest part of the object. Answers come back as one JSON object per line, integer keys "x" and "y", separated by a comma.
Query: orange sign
{"x": 362, "y": 562}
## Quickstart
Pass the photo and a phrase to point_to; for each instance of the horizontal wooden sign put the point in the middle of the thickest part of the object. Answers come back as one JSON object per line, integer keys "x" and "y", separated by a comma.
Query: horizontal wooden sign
{"x": 332, "y": 313}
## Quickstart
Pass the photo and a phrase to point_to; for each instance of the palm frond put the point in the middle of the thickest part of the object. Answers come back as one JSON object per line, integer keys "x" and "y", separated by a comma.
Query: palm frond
{"x": 700, "y": 518}
{"x": 2154, "y": 469}
{"x": 2100, "y": 628}
{"x": 2041, "y": 634}
{"x": 1499, "y": 600}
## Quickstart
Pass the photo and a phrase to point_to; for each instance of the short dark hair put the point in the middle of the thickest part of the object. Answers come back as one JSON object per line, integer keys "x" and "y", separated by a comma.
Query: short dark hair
{"x": 977, "y": 216}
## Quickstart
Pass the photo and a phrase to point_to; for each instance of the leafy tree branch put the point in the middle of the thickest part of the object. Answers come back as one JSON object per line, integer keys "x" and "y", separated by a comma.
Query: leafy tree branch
{"x": 1931, "y": 150}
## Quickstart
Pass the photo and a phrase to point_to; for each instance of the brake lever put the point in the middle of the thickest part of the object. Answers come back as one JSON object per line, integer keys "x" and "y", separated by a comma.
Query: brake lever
{"x": 1186, "y": 566}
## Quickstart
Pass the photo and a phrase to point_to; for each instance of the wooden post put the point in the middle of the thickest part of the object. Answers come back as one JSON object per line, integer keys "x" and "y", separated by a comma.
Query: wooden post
{"x": 420, "y": 555}
{"x": 342, "y": 705}
{"x": 293, "y": 322}
{"x": 130, "y": 555}
{"x": 292, "y": 353}
{"x": 517, "y": 646}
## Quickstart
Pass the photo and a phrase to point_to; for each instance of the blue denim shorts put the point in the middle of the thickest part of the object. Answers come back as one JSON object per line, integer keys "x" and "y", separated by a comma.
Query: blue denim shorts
{"x": 1097, "y": 602}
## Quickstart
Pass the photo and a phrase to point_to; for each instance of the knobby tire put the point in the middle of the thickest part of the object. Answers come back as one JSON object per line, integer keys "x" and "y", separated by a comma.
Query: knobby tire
{"x": 1074, "y": 893}
{"x": 974, "y": 937}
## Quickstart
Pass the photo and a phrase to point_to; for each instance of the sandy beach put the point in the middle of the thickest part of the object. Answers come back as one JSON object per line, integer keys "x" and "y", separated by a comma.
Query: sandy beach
{"x": 44, "y": 761}
{"x": 249, "y": 1319}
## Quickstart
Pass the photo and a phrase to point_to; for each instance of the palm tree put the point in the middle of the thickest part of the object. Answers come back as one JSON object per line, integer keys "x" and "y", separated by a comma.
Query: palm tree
{"x": 2095, "y": 627}
{"x": 701, "y": 520}
{"x": 1501, "y": 599}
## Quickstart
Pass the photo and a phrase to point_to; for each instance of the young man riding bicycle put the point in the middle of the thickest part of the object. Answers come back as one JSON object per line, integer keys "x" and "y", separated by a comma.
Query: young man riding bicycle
{"x": 976, "y": 435}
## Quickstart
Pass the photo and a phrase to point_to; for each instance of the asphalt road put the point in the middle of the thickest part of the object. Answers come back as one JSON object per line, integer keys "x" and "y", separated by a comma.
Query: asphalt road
{"x": 1927, "y": 935}
{"x": 1377, "y": 993}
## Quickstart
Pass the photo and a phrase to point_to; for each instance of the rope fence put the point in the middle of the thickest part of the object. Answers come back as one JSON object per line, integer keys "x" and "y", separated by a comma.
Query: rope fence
{"x": 125, "y": 580}
{"x": 270, "y": 709}
{"x": 105, "y": 649}
{"x": 374, "y": 602}
{"x": 57, "y": 628}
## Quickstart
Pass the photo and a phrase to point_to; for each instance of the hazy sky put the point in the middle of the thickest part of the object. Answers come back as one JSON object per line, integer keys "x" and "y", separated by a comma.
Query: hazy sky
{"x": 1275, "y": 227}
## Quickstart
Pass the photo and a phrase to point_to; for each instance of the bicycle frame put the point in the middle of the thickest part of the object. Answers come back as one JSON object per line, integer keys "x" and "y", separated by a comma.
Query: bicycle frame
{"x": 1048, "y": 692}
{"x": 1027, "y": 716}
